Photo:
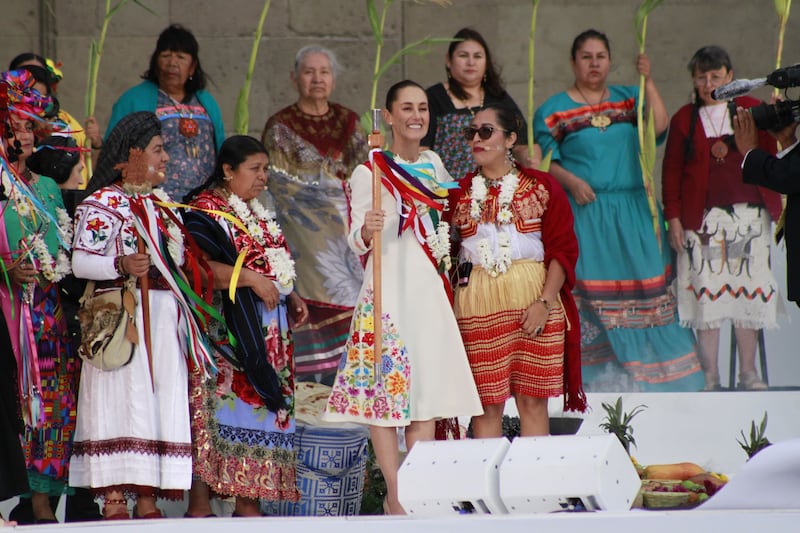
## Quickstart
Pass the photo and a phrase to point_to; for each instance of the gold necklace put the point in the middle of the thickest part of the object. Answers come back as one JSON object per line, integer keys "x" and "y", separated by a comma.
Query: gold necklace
{"x": 598, "y": 120}
{"x": 719, "y": 149}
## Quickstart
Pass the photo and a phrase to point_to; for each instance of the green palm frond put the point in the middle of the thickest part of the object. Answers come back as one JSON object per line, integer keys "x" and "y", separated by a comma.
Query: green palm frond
{"x": 782, "y": 8}
{"x": 645, "y": 8}
{"x": 377, "y": 22}
{"x": 420, "y": 47}
{"x": 95, "y": 54}
{"x": 531, "y": 47}
{"x": 241, "y": 118}
{"x": 647, "y": 134}
{"x": 544, "y": 166}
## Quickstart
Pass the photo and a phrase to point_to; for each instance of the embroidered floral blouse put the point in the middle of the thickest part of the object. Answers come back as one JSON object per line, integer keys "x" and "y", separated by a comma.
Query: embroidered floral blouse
{"x": 255, "y": 257}
{"x": 525, "y": 230}
{"x": 104, "y": 229}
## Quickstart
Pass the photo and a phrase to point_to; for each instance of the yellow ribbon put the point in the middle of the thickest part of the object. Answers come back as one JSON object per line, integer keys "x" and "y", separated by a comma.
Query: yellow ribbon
{"x": 238, "y": 265}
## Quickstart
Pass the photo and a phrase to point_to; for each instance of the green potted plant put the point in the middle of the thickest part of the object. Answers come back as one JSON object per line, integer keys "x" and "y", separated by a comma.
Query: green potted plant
{"x": 618, "y": 422}
{"x": 757, "y": 441}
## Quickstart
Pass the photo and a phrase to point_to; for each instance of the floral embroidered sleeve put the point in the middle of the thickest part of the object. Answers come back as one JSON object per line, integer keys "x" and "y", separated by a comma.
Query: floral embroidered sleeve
{"x": 97, "y": 231}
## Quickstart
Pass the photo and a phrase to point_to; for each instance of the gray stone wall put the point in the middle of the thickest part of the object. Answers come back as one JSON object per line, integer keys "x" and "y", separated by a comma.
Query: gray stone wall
{"x": 747, "y": 28}
{"x": 63, "y": 29}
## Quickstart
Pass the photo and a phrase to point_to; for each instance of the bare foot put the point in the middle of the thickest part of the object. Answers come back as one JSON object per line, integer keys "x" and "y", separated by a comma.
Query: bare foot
{"x": 7, "y": 523}
{"x": 392, "y": 507}
{"x": 146, "y": 506}
{"x": 247, "y": 507}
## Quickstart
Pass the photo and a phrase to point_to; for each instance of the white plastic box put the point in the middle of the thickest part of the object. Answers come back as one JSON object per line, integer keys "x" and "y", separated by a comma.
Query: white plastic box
{"x": 452, "y": 477}
{"x": 569, "y": 472}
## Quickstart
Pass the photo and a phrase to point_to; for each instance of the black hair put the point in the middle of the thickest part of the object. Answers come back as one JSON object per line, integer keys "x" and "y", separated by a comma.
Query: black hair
{"x": 24, "y": 58}
{"x": 55, "y": 158}
{"x": 234, "y": 151}
{"x": 492, "y": 82}
{"x": 507, "y": 118}
{"x": 707, "y": 58}
{"x": 585, "y": 36}
{"x": 176, "y": 38}
{"x": 391, "y": 94}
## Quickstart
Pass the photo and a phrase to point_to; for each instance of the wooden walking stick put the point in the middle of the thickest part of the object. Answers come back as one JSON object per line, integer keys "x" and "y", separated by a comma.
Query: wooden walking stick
{"x": 375, "y": 144}
{"x": 144, "y": 285}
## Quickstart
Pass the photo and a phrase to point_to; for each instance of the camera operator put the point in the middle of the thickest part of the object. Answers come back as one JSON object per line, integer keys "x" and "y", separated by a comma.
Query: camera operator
{"x": 781, "y": 173}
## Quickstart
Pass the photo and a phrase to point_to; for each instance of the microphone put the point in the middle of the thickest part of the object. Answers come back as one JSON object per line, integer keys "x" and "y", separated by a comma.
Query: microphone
{"x": 737, "y": 88}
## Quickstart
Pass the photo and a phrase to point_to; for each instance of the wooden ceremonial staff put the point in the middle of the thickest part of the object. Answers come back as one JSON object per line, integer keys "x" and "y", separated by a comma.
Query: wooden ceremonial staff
{"x": 144, "y": 285}
{"x": 375, "y": 143}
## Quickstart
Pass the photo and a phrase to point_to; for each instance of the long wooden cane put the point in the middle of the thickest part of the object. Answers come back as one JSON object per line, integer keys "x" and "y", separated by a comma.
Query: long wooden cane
{"x": 375, "y": 143}
{"x": 144, "y": 285}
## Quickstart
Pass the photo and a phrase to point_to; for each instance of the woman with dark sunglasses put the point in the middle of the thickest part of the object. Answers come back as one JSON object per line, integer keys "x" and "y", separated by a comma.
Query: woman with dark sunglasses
{"x": 632, "y": 339}
{"x": 513, "y": 303}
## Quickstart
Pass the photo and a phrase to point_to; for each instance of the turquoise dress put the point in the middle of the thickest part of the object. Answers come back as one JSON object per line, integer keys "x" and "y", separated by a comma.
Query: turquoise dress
{"x": 631, "y": 339}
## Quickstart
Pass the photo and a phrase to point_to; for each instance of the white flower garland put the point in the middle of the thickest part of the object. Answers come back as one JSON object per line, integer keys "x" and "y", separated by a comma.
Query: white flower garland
{"x": 478, "y": 192}
{"x": 280, "y": 261}
{"x": 175, "y": 241}
{"x": 508, "y": 187}
{"x": 53, "y": 270}
{"x": 439, "y": 244}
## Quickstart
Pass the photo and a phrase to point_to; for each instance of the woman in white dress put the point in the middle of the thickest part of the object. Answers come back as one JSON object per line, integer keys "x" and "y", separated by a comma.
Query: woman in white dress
{"x": 423, "y": 374}
{"x": 133, "y": 435}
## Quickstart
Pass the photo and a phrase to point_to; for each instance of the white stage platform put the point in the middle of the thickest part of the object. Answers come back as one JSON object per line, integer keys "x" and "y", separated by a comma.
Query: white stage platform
{"x": 697, "y": 427}
{"x": 597, "y": 522}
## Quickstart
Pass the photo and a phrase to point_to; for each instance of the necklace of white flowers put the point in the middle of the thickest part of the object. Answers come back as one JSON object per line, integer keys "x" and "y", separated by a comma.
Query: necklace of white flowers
{"x": 479, "y": 192}
{"x": 494, "y": 265}
{"x": 252, "y": 214}
{"x": 438, "y": 240}
{"x": 27, "y": 206}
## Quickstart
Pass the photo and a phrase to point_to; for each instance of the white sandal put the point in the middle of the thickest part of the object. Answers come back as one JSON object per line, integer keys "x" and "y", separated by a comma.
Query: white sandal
{"x": 751, "y": 381}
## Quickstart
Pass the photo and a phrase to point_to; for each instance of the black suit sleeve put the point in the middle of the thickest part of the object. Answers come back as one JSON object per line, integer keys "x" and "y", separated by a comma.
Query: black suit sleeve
{"x": 780, "y": 175}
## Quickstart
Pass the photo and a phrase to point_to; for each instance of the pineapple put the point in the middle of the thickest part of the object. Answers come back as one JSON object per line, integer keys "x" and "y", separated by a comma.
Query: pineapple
{"x": 618, "y": 422}
{"x": 758, "y": 441}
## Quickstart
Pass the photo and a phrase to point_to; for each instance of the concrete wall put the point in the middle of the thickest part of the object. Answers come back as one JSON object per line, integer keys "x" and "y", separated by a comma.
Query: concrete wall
{"x": 64, "y": 29}
{"x": 224, "y": 28}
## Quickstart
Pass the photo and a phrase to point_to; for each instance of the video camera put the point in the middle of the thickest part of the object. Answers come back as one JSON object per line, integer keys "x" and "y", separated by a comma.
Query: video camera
{"x": 768, "y": 116}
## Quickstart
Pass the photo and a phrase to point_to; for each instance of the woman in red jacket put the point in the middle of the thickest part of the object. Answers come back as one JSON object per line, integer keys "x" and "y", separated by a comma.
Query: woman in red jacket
{"x": 718, "y": 225}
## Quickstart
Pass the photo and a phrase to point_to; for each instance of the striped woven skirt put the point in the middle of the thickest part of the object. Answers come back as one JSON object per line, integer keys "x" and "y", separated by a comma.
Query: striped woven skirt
{"x": 505, "y": 361}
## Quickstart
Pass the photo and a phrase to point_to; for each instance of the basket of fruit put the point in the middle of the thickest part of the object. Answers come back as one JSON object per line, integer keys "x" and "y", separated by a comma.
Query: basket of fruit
{"x": 666, "y": 494}
{"x": 672, "y": 494}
